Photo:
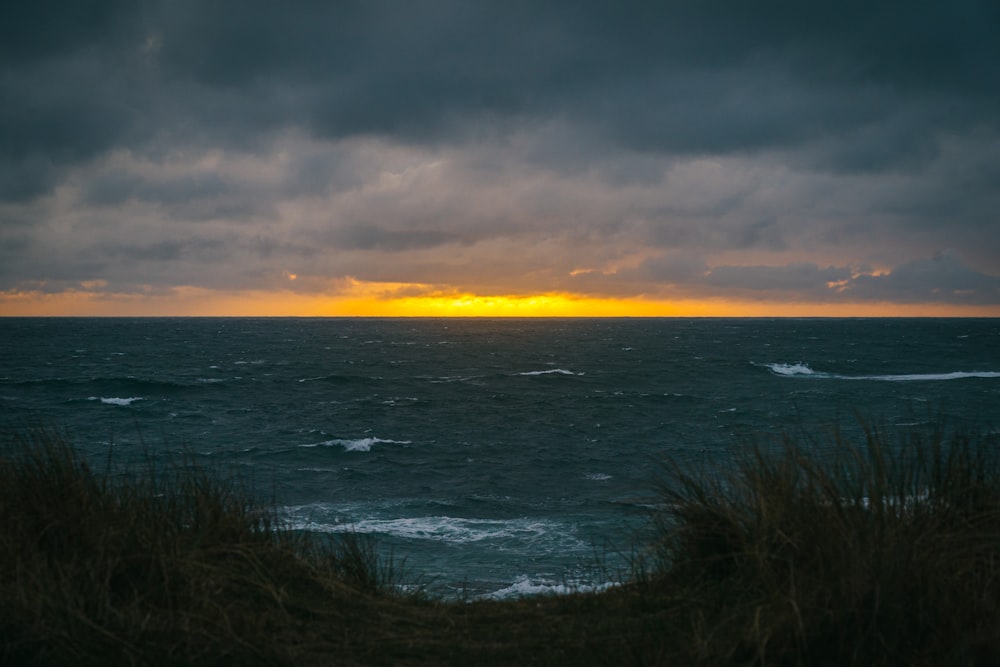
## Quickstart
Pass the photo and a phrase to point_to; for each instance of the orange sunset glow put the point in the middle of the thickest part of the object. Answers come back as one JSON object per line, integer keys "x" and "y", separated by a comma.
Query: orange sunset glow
{"x": 370, "y": 301}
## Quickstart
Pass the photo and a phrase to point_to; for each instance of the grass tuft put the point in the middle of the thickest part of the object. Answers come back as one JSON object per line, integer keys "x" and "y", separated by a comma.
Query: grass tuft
{"x": 169, "y": 566}
{"x": 879, "y": 553}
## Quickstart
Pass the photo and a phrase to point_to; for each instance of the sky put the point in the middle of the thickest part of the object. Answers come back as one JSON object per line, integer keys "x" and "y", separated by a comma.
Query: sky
{"x": 439, "y": 157}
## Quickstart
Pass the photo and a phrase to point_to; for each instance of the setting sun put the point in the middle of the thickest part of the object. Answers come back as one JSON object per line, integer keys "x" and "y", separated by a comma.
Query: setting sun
{"x": 471, "y": 305}
{"x": 353, "y": 298}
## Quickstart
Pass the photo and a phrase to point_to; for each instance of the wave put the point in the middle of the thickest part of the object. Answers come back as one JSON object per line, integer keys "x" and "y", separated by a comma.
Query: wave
{"x": 525, "y": 587}
{"x": 957, "y": 375}
{"x": 340, "y": 378}
{"x": 448, "y": 379}
{"x": 115, "y": 401}
{"x": 454, "y": 530}
{"x": 559, "y": 371}
{"x": 802, "y": 370}
{"x": 402, "y": 401}
{"x": 789, "y": 370}
{"x": 357, "y": 445}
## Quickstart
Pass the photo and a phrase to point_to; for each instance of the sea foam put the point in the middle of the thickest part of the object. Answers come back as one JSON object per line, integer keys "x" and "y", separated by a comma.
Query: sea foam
{"x": 925, "y": 377}
{"x": 802, "y": 370}
{"x": 358, "y": 445}
{"x": 115, "y": 400}
{"x": 455, "y": 530}
{"x": 793, "y": 369}
{"x": 524, "y": 586}
{"x": 559, "y": 371}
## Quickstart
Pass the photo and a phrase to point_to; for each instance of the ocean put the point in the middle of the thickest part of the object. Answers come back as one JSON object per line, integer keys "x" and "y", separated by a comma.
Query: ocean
{"x": 491, "y": 457}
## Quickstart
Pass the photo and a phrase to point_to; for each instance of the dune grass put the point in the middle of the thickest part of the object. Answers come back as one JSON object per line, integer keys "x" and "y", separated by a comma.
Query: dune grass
{"x": 879, "y": 552}
{"x": 169, "y": 566}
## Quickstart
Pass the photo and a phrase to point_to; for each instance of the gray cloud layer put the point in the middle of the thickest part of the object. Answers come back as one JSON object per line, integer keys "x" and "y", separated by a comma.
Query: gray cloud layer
{"x": 783, "y": 150}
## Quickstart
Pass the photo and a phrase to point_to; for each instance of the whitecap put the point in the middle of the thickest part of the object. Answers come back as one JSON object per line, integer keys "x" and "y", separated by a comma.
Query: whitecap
{"x": 597, "y": 476}
{"x": 454, "y": 530}
{"x": 448, "y": 379}
{"x": 401, "y": 400}
{"x": 793, "y": 369}
{"x": 115, "y": 400}
{"x": 559, "y": 371}
{"x": 802, "y": 370}
{"x": 525, "y": 587}
{"x": 927, "y": 377}
{"x": 907, "y": 502}
{"x": 357, "y": 445}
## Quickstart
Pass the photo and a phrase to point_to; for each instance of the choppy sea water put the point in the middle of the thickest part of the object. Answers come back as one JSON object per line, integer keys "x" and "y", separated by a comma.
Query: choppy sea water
{"x": 498, "y": 457}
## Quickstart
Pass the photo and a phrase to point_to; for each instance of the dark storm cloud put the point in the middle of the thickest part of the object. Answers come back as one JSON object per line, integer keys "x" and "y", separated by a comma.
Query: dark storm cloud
{"x": 61, "y": 79}
{"x": 118, "y": 187}
{"x": 44, "y": 28}
{"x": 201, "y": 249}
{"x": 623, "y": 142}
{"x": 942, "y": 278}
{"x": 804, "y": 278}
{"x": 372, "y": 237}
{"x": 700, "y": 77}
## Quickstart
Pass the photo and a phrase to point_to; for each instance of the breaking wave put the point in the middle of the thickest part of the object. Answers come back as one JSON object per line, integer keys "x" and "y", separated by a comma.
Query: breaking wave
{"x": 802, "y": 370}
{"x": 357, "y": 445}
{"x": 557, "y": 371}
{"x": 123, "y": 402}
{"x": 524, "y": 586}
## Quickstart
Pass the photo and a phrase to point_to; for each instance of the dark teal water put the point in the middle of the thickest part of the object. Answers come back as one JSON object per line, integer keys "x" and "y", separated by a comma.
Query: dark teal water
{"x": 497, "y": 456}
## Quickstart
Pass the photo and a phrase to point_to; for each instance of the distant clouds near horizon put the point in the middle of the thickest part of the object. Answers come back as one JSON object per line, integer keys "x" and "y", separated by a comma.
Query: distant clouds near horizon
{"x": 713, "y": 151}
